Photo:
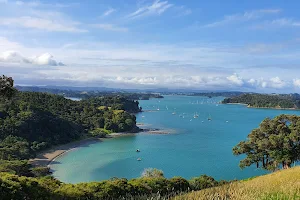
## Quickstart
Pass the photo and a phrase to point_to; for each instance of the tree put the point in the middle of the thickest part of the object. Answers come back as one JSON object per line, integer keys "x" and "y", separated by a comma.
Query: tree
{"x": 152, "y": 173}
{"x": 6, "y": 87}
{"x": 203, "y": 182}
{"x": 275, "y": 143}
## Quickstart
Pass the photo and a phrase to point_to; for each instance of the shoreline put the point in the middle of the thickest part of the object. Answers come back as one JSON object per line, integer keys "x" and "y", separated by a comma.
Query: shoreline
{"x": 46, "y": 157}
{"x": 244, "y": 104}
{"x": 273, "y": 108}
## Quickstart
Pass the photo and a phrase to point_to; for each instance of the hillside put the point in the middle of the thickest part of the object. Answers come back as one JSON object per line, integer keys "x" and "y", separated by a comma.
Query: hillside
{"x": 282, "y": 101}
{"x": 33, "y": 121}
{"x": 284, "y": 184}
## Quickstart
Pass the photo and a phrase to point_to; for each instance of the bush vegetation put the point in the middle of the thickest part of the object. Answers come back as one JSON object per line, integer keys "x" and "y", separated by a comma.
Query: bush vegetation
{"x": 265, "y": 100}
{"x": 31, "y": 121}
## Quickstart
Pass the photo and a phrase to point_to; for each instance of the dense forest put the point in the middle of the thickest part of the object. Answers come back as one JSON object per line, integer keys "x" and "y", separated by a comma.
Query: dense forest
{"x": 267, "y": 100}
{"x": 82, "y": 94}
{"x": 32, "y": 121}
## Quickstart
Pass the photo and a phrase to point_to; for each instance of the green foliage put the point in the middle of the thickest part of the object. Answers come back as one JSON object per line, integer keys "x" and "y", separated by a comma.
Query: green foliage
{"x": 275, "y": 143}
{"x": 99, "y": 132}
{"x": 18, "y": 167}
{"x": 19, "y": 187}
{"x": 179, "y": 184}
{"x": 6, "y": 87}
{"x": 202, "y": 182}
{"x": 23, "y": 168}
{"x": 31, "y": 121}
{"x": 40, "y": 171}
{"x": 14, "y": 148}
{"x": 265, "y": 100}
{"x": 152, "y": 173}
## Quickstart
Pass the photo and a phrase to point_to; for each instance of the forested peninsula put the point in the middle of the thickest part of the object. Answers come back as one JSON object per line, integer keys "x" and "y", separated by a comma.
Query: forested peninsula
{"x": 31, "y": 121}
{"x": 276, "y": 101}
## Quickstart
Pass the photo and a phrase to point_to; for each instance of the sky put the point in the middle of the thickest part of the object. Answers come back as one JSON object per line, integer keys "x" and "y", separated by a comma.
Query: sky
{"x": 196, "y": 44}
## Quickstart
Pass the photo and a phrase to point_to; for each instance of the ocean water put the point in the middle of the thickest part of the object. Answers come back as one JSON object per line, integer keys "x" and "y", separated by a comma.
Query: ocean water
{"x": 196, "y": 146}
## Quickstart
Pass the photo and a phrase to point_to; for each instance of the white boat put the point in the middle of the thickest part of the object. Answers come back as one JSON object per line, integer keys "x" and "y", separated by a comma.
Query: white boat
{"x": 196, "y": 115}
{"x": 139, "y": 159}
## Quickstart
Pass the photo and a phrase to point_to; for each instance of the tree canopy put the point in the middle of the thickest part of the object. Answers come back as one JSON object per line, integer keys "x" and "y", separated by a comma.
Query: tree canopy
{"x": 6, "y": 86}
{"x": 32, "y": 121}
{"x": 275, "y": 143}
{"x": 266, "y": 100}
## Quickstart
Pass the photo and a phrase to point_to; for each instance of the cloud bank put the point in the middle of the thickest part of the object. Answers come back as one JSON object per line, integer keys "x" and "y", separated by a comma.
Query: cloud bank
{"x": 15, "y": 57}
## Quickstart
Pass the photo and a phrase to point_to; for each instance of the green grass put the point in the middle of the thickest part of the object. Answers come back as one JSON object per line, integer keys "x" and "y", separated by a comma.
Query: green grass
{"x": 280, "y": 185}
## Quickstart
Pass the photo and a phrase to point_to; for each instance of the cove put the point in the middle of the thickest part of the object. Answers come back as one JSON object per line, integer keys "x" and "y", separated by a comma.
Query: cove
{"x": 195, "y": 146}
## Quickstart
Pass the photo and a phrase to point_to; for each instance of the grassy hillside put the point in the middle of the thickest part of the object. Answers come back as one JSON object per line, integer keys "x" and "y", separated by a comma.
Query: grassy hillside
{"x": 283, "y": 184}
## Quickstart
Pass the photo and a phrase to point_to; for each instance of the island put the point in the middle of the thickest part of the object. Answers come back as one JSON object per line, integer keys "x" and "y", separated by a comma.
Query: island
{"x": 274, "y": 101}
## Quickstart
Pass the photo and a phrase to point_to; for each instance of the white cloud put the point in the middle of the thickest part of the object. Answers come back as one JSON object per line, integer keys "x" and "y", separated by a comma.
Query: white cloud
{"x": 40, "y": 23}
{"x": 277, "y": 23}
{"x": 40, "y": 4}
{"x": 246, "y": 16}
{"x": 235, "y": 79}
{"x": 46, "y": 59}
{"x": 147, "y": 65}
{"x": 15, "y": 57}
{"x": 264, "y": 84}
{"x": 108, "y": 12}
{"x": 252, "y": 81}
{"x": 156, "y": 8}
{"x": 110, "y": 27}
{"x": 6, "y": 44}
{"x": 296, "y": 82}
{"x": 285, "y": 22}
{"x": 277, "y": 83}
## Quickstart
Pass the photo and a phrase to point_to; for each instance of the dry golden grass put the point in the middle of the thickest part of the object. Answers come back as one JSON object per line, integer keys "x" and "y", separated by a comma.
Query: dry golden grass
{"x": 283, "y": 184}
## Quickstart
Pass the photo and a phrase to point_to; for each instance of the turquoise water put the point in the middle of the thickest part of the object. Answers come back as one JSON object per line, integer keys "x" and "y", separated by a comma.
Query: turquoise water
{"x": 195, "y": 148}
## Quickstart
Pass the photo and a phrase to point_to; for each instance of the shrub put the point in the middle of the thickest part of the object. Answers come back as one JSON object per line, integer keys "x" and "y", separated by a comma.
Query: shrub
{"x": 203, "y": 182}
{"x": 153, "y": 173}
{"x": 179, "y": 184}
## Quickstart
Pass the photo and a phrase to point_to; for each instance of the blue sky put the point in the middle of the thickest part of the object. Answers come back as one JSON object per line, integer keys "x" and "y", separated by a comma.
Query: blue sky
{"x": 212, "y": 45}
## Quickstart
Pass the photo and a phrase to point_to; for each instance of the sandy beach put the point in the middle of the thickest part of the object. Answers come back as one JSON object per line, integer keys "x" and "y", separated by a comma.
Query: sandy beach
{"x": 44, "y": 158}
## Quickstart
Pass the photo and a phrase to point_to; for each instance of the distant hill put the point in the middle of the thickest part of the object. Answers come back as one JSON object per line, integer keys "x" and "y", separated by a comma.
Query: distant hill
{"x": 282, "y": 184}
{"x": 278, "y": 101}
{"x": 218, "y": 94}
{"x": 85, "y": 93}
